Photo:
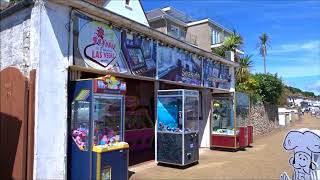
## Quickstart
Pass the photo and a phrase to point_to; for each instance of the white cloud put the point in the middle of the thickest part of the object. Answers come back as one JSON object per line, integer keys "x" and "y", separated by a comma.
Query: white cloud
{"x": 310, "y": 46}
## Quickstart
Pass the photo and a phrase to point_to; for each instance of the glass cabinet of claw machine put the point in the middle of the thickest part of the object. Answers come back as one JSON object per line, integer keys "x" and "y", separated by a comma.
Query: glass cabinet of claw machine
{"x": 177, "y": 127}
{"x": 96, "y": 147}
{"x": 229, "y": 122}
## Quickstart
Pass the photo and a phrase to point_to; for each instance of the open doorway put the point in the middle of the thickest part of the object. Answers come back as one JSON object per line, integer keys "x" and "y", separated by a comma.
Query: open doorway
{"x": 139, "y": 120}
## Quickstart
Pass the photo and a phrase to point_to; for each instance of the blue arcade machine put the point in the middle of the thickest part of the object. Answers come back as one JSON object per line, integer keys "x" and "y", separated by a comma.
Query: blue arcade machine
{"x": 96, "y": 149}
{"x": 178, "y": 127}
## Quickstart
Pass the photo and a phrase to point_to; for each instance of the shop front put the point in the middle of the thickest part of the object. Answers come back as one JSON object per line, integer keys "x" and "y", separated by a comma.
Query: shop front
{"x": 148, "y": 67}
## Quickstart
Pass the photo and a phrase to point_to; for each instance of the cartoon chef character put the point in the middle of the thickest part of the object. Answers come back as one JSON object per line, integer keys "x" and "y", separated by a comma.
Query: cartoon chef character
{"x": 304, "y": 143}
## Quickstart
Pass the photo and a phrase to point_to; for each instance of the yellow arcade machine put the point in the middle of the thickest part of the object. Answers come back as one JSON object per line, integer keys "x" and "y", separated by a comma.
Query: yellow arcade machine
{"x": 96, "y": 148}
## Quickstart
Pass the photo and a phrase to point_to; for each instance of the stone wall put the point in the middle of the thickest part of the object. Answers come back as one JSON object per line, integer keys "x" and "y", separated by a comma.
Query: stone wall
{"x": 264, "y": 118}
{"x": 15, "y": 41}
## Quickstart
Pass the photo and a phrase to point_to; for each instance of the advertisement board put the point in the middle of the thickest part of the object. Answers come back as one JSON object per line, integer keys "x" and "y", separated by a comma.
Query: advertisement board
{"x": 191, "y": 70}
{"x": 140, "y": 53}
{"x": 177, "y": 65}
{"x": 216, "y": 74}
{"x": 225, "y": 77}
{"x": 97, "y": 45}
{"x": 101, "y": 46}
{"x": 167, "y": 65}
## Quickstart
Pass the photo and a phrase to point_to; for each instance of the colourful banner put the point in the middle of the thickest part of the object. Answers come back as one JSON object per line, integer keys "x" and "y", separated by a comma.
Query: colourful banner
{"x": 140, "y": 53}
{"x": 216, "y": 74}
{"x": 178, "y": 65}
{"x": 98, "y": 46}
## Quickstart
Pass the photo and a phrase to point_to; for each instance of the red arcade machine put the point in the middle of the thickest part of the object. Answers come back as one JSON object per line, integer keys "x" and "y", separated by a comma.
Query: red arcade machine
{"x": 230, "y": 131}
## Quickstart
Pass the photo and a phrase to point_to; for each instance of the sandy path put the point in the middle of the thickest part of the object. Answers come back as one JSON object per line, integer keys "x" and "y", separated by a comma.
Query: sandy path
{"x": 265, "y": 160}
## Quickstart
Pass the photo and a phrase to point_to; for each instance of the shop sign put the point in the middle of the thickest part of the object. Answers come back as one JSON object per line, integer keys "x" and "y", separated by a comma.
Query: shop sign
{"x": 98, "y": 44}
{"x": 191, "y": 70}
{"x": 110, "y": 84}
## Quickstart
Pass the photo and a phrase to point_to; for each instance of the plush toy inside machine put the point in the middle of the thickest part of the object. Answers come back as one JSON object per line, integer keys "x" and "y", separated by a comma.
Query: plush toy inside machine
{"x": 96, "y": 147}
{"x": 177, "y": 128}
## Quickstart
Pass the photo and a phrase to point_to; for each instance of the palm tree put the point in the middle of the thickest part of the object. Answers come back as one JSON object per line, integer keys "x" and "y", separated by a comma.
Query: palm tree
{"x": 243, "y": 71}
{"x": 263, "y": 43}
{"x": 231, "y": 43}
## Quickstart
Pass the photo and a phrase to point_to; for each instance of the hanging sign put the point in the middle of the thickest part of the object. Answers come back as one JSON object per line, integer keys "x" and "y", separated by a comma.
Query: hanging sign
{"x": 109, "y": 84}
{"x": 98, "y": 44}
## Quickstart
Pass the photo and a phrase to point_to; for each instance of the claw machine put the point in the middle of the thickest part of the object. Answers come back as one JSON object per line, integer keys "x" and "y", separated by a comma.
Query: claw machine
{"x": 229, "y": 122}
{"x": 242, "y": 119}
{"x": 224, "y": 133}
{"x": 96, "y": 146}
{"x": 178, "y": 127}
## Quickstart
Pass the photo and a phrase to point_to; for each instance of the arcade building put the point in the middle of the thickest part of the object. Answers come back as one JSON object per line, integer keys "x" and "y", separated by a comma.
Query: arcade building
{"x": 73, "y": 41}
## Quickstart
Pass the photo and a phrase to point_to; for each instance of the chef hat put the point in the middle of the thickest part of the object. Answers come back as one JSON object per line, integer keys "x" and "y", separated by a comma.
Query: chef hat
{"x": 304, "y": 140}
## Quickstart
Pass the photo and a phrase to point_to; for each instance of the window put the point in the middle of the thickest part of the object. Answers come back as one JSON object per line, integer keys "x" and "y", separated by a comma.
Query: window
{"x": 216, "y": 36}
{"x": 174, "y": 31}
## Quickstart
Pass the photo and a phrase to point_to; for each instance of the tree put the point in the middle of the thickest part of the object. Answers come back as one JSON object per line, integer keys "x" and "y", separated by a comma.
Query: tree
{"x": 243, "y": 71}
{"x": 231, "y": 43}
{"x": 263, "y": 43}
{"x": 269, "y": 88}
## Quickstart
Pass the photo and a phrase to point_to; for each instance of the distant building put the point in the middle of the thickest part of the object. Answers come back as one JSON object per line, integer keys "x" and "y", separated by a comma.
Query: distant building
{"x": 206, "y": 33}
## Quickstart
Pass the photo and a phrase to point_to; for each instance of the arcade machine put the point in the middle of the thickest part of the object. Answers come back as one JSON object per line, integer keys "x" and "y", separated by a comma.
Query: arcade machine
{"x": 242, "y": 118}
{"x": 227, "y": 130}
{"x": 177, "y": 127}
{"x": 96, "y": 146}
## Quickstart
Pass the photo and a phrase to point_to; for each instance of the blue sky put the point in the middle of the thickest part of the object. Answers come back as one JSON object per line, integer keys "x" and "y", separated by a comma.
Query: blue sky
{"x": 293, "y": 27}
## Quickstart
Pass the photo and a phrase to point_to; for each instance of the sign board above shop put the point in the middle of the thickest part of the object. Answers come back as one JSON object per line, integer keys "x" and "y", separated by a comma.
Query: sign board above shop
{"x": 99, "y": 45}
{"x": 103, "y": 47}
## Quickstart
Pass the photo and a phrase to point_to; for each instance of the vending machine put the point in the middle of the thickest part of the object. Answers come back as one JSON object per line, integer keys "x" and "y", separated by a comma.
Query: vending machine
{"x": 96, "y": 148}
{"x": 177, "y": 127}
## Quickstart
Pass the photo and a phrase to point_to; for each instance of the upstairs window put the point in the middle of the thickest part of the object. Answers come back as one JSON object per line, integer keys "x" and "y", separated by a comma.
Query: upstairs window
{"x": 174, "y": 31}
{"x": 216, "y": 36}
{"x": 213, "y": 37}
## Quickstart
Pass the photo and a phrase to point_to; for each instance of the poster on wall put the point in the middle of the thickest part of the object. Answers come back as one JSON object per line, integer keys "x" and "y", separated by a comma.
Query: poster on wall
{"x": 211, "y": 70}
{"x": 225, "y": 77}
{"x": 191, "y": 70}
{"x": 140, "y": 53}
{"x": 97, "y": 45}
{"x": 216, "y": 74}
{"x": 168, "y": 67}
{"x": 177, "y": 65}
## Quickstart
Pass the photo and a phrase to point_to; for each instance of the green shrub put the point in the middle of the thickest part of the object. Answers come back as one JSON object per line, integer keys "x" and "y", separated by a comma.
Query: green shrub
{"x": 266, "y": 88}
{"x": 269, "y": 87}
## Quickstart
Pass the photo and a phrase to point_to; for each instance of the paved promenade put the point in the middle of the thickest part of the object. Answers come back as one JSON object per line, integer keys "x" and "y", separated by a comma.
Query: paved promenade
{"x": 265, "y": 160}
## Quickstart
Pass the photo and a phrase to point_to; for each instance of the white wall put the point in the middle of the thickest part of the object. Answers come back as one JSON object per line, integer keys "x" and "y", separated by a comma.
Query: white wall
{"x": 50, "y": 20}
{"x": 204, "y": 125}
{"x": 133, "y": 11}
{"x": 15, "y": 41}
